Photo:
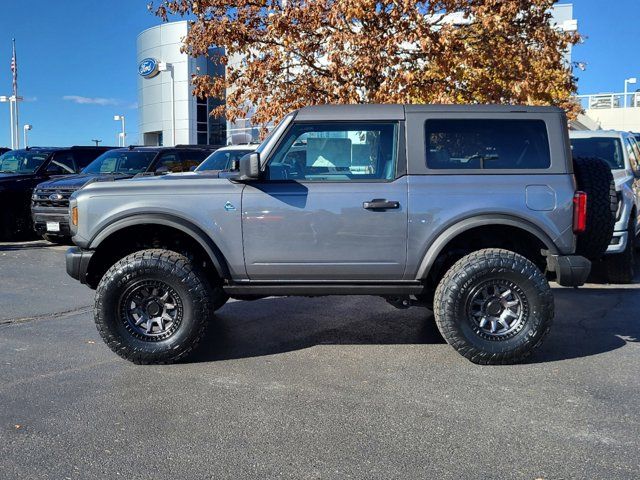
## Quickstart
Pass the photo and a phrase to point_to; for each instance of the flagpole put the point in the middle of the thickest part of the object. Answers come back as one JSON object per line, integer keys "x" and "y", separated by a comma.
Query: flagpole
{"x": 16, "y": 124}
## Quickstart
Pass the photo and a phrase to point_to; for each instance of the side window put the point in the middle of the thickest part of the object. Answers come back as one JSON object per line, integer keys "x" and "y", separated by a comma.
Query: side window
{"x": 487, "y": 144}
{"x": 634, "y": 153}
{"x": 85, "y": 157}
{"x": 336, "y": 151}
{"x": 62, "y": 163}
{"x": 171, "y": 161}
{"x": 192, "y": 158}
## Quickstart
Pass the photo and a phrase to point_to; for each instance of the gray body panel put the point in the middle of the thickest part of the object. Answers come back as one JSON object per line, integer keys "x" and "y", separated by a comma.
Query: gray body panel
{"x": 320, "y": 232}
{"x": 197, "y": 199}
{"x": 439, "y": 203}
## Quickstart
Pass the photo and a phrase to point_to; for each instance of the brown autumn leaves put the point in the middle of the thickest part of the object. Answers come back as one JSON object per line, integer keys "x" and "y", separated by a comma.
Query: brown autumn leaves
{"x": 303, "y": 52}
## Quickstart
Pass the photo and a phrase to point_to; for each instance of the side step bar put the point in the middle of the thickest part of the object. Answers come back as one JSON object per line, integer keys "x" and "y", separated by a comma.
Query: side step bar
{"x": 321, "y": 289}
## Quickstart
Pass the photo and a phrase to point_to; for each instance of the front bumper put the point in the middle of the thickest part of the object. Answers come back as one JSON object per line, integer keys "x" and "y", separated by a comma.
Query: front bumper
{"x": 40, "y": 218}
{"x": 571, "y": 270}
{"x": 77, "y": 261}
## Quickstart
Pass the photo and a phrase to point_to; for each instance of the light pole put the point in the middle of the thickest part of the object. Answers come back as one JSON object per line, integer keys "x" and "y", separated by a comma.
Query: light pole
{"x": 123, "y": 134}
{"x": 628, "y": 81}
{"x": 98, "y": 142}
{"x": 163, "y": 67}
{"x": 15, "y": 135}
{"x": 26, "y": 128}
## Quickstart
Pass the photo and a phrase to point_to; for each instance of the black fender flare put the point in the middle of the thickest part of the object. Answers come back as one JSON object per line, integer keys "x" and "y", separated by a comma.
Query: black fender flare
{"x": 452, "y": 231}
{"x": 168, "y": 220}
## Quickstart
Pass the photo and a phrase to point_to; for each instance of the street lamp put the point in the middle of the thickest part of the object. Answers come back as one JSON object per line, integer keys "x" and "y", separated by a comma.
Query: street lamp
{"x": 13, "y": 101}
{"x": 98, "y": 142}
{"x": 26, "y": 128}
{"x": 628, "y": 81}
{"x": 123, "y": 134}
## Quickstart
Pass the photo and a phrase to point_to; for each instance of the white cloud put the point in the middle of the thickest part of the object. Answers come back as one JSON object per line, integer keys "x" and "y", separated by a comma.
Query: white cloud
{"x": 92, "y": 100}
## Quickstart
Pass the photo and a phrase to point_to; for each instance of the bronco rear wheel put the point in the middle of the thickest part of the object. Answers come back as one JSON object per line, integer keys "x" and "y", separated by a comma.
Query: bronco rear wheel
{"x": 494, "y": 307}
{"x": 153, "y": 306}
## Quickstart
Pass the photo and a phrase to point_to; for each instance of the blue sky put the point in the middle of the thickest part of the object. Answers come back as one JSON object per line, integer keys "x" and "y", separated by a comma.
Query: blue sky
{"x": 86, "y": 48}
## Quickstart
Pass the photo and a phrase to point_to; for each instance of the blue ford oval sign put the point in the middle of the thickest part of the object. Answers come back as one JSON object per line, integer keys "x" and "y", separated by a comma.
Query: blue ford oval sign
{"x": 148, "y": 68}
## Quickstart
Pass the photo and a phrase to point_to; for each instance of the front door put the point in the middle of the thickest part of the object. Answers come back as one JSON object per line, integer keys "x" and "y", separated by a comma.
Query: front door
{"x": 331, "y": 206}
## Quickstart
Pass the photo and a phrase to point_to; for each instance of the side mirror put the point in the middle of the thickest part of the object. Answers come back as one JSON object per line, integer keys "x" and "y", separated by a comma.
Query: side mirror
{"x": 162, "y": 170}
{"x": 249, "y": 168}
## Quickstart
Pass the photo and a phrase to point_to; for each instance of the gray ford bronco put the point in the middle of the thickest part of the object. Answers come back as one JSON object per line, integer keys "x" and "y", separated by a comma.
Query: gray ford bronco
{"x": 464, "y": 209}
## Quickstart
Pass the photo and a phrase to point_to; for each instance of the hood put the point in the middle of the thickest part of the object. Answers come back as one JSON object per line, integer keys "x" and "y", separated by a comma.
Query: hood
{"x": 12, "y": 177}
{"x": 178, "y": 176}
{"x": 80, "y": 180}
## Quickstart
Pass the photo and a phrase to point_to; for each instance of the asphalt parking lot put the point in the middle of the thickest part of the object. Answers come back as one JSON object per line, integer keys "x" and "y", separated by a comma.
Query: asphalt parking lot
{"x": 345, "y": 387}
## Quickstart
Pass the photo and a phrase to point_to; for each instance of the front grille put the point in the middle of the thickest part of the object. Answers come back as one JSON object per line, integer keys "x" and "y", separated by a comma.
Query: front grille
{"x": 45, "y": 197}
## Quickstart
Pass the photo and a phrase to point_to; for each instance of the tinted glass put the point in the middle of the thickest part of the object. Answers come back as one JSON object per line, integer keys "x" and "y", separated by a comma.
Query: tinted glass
{"x": 128, "y": 162}
{"x": 487, "y": 144}
{"x": 608, "y": 149}
{"x": 221, "y": 160}
{"x": 336, "y": 152}
{"x": 22, "y": 161}
{"x": 85, "y": 157}
{"x": 62, "y": 163}
{"x": 171, "y": 161}
{"x": 192, "y": 158}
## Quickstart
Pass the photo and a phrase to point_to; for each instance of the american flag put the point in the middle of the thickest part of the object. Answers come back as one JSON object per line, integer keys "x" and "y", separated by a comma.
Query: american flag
{"x": 14, "y": 69}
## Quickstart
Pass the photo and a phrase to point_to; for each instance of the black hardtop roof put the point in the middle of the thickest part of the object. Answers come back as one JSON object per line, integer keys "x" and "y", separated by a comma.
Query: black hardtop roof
{"x": 57, "y": 149}
{"x": 154, "y": 148}
{"x": 397, "y": 112}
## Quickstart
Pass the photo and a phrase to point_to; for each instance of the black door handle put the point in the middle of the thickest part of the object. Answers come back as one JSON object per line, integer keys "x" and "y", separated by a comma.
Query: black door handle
{"x": 380, "y": 204}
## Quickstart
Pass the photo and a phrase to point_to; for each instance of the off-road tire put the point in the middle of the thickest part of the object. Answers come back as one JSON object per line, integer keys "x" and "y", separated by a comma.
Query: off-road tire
{"x": 453, "y": 312}
{"x": 620, "y": 267}
{"x": 195, "y": 295}
{"x": 593, "y": 176}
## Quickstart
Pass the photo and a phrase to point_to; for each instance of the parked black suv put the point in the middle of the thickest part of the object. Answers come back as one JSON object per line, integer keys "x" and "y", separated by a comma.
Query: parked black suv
{"x": 50, "y": 202}
{"x": 21, "y": 170}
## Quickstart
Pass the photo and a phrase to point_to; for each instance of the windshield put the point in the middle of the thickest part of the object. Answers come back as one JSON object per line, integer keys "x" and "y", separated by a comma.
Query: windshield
{"x": 129, "y": 162}
{"x": 22, "y": 161}
{"x": 221, "y": 160}
{"x": 608, "y": 149}
{"x": 268, "y": 142}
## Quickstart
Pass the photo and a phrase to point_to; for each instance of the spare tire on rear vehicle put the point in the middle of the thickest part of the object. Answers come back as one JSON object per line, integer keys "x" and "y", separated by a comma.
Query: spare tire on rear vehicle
{"x": 594, "y": 177}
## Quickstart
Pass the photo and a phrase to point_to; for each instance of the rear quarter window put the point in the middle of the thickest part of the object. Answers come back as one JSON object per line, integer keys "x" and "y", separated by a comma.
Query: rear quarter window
{"x": 487, "y": 144}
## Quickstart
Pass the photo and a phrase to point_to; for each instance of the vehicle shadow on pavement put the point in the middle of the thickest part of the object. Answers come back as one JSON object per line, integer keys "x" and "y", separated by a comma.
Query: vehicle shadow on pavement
{"x": 277, "y": 325}
{"x": 588, "y": 322}
{"x": 11, "y": 247}
{"x": 591, "y": 321}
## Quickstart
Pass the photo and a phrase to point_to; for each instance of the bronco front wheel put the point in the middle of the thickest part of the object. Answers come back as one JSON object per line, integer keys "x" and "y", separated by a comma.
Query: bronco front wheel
{"x": 494, "y": 307}
{"x": 153, "y": 306}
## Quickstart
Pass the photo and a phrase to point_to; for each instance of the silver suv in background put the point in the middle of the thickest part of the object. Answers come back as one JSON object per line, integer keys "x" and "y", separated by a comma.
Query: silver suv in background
{"x": 622, "y": 153}
{"x": 462, "y": 209}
